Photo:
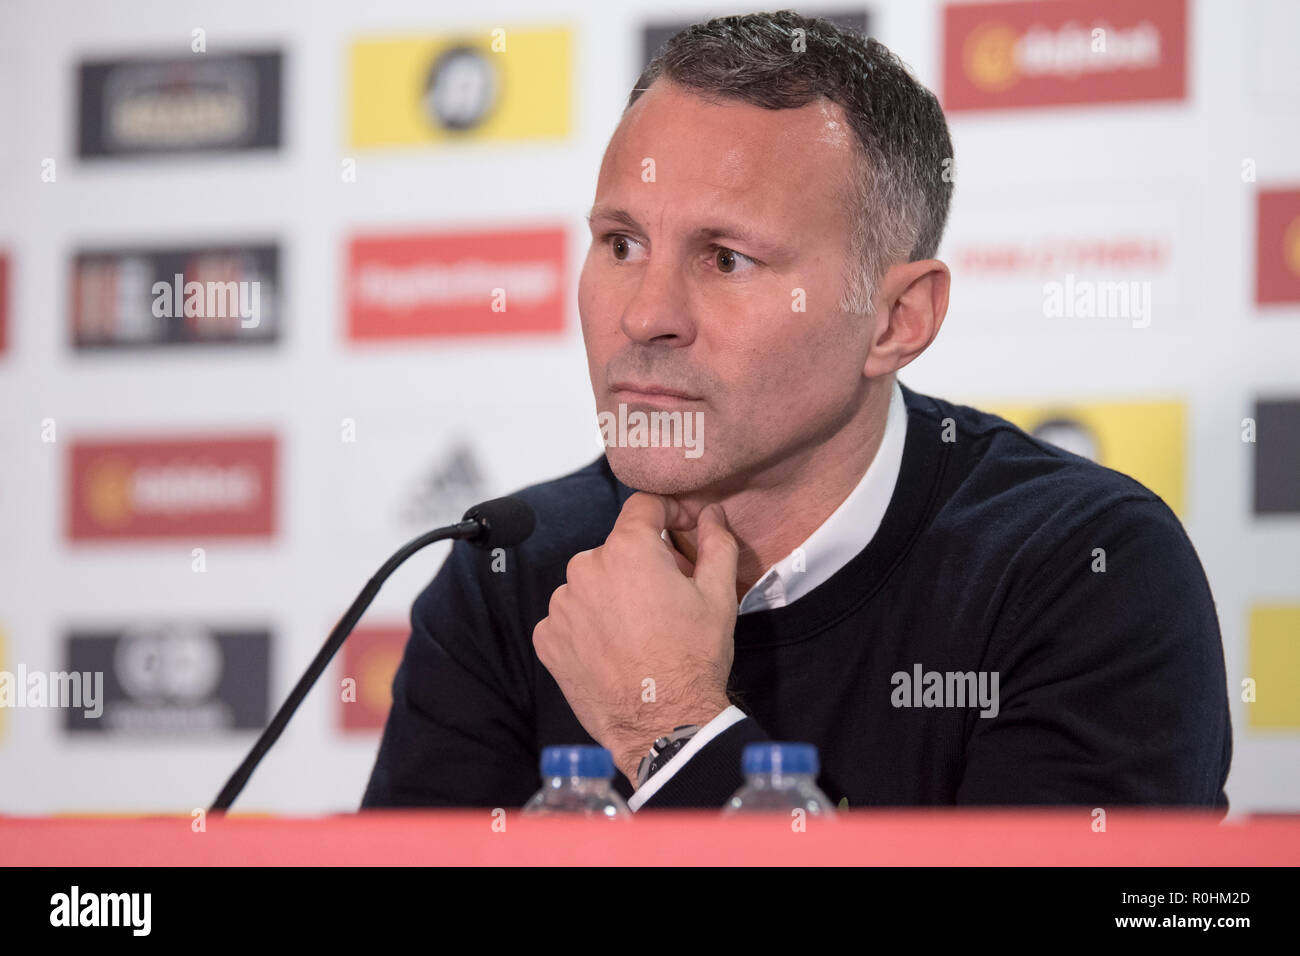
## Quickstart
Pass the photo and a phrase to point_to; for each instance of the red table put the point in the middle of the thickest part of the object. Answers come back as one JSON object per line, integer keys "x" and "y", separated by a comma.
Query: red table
{"x": 467, "y": 837}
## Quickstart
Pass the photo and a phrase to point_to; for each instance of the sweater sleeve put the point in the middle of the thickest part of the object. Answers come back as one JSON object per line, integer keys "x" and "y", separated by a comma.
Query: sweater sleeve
{"x": 679, "y": 760}
{"x": 459, "y": 731}
{"x": 707, "y": 776}
{"x": 1112, "y": 681}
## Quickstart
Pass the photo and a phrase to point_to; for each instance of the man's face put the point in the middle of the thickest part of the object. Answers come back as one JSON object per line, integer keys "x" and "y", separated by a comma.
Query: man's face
{"x": 719, "y": 237}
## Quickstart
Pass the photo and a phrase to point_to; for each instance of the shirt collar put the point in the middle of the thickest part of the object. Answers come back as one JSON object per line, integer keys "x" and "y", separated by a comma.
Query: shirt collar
{"x": 846, "y": 532}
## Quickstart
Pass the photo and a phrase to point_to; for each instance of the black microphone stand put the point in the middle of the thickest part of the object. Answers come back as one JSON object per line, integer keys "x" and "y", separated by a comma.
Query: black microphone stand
{"x": 465, "y": 529}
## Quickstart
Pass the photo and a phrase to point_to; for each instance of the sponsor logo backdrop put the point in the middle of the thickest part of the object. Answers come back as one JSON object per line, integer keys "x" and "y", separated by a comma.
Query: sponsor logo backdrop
{"x": 358, "y": 233}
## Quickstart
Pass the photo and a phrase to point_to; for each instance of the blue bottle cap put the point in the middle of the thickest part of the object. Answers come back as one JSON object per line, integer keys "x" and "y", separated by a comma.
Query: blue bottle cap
{"x": 574, "y": 761}
{"x": 782, "y": 758}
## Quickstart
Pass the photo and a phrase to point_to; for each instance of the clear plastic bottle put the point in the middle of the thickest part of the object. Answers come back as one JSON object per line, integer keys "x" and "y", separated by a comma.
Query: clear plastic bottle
{"x": 779, "y": 777}
{"x": 576, "y": 780}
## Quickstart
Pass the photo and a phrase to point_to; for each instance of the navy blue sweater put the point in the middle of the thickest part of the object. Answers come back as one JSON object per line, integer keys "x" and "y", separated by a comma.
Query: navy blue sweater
{"x": 1111, "y": 682}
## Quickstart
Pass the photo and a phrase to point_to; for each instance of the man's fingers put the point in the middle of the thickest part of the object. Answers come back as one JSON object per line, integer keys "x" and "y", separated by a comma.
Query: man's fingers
{"x": 683, "y": 563}
{"x": 716, "y": 555}
{"x": 647, "y": 512}
{"x": 643, "y": 513}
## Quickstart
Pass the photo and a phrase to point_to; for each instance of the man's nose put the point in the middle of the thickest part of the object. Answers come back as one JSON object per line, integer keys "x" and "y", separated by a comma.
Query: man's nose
{"x": 659, "y": 312}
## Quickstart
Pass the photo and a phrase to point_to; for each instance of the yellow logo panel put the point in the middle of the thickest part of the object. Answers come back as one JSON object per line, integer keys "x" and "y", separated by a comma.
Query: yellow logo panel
{"x": 1145, "y": 440}
{"x": 499, "y": 84}
{"x": 1273, "y": 662}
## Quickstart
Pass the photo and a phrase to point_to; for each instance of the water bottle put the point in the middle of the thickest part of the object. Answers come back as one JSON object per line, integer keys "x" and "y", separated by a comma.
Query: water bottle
{"x": 576, "y": 780}
{"x": 779, "y": 777}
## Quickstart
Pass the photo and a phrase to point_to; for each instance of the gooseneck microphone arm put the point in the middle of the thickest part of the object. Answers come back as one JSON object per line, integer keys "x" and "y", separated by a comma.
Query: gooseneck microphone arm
{"x": 501, "y": 522}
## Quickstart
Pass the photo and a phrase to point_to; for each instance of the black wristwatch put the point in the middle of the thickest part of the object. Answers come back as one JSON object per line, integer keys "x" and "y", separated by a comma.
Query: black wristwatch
{"x": 663, "y": 750}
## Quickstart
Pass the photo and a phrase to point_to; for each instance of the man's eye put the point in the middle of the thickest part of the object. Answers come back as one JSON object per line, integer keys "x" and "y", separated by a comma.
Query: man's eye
{"x": 623, "y": 247}
{"x": 731, "y": 261}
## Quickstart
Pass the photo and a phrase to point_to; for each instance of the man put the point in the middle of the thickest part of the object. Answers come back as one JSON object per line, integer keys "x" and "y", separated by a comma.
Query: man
{"x": 952, "y": 611}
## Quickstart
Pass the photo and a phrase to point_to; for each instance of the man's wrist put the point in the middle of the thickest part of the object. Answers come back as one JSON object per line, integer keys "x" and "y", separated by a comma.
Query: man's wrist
{"x": 698, "y": 715}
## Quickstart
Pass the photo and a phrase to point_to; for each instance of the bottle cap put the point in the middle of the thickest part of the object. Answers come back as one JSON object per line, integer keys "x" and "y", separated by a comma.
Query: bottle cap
{"x": 784, "y": 758}
{"x": 574, "y": 761}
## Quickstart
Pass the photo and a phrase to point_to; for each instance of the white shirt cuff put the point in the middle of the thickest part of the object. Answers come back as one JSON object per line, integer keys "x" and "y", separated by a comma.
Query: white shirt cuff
{"x": 717, "y": 725}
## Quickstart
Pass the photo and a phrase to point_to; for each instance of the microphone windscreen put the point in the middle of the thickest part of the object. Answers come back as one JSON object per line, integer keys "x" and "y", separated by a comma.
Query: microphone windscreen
{"x": 505, "y": 522}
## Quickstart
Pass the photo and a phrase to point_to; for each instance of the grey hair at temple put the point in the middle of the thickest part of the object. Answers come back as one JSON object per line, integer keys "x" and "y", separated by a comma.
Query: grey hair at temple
{"x": 904, "y": 185}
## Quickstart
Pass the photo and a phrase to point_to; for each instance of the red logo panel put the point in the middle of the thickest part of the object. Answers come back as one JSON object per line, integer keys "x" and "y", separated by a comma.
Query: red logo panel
{"x": 1277, "y": 246}
{"x": 450, "y": 284}
{"x": 1016, "y": 55}
{"x": 4, "y": 300}
{"x": 370, "y": 657}
{"x": 172, "y": 488}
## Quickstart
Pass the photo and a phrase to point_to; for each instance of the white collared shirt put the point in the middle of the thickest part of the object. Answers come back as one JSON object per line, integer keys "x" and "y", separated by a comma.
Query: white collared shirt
{"x": 836, "y": 541}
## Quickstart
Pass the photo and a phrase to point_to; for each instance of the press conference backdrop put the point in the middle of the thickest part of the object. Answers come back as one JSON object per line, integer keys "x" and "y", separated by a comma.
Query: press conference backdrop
{"x": 188, "y": 502}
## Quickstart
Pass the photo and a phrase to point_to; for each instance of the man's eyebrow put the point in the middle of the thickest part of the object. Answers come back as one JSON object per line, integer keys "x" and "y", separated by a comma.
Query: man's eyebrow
{"x": 723, "y": 231}
{"x": 737, "y": 231}
{"x": 617, "y": 215}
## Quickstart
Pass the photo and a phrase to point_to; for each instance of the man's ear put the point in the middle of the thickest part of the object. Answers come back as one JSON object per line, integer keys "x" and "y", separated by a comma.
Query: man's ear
{"x": 910, "y": 306}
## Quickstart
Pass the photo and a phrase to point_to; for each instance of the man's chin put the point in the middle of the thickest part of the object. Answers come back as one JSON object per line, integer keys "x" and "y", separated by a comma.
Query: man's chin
{"x": 660, "y": 471}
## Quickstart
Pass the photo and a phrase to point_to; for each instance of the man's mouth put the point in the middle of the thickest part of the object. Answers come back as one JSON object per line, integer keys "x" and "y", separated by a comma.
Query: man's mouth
{"x": 649, "y": 392}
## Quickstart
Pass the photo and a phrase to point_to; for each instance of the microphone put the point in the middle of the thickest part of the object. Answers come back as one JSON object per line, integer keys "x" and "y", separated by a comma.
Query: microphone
{"x": 499, "y": 523}
{"x": 505, "y": 522}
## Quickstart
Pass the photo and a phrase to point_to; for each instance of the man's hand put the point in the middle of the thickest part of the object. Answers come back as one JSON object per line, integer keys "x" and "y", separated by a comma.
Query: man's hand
{"x": 638, "y": 640}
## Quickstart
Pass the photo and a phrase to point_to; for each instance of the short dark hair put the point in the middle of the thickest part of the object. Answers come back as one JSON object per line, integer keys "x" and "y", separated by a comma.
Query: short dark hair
{"x": 904, "y": 186}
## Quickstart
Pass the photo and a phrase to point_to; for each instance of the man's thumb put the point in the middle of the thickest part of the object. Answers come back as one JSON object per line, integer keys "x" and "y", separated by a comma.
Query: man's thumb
{"x": 716, "y": 554}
